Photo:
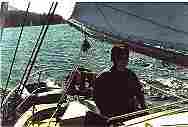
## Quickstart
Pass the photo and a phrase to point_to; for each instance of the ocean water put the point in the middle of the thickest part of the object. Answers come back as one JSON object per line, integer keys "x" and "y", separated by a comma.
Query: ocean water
{"x": 61, "y": 51}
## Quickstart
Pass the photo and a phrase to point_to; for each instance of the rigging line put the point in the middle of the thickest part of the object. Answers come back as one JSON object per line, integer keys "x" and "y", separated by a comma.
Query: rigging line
{"x": 35, "y": 46}
{"x": 18, "y": 43}
{"x": 165, "y": 114}
{"x": 2, "y": 29}
{"x": 90, "y": 51}
{"x": 140, "y": 46}
{"x": 146, "y": 110}
{"x": 74, "y": 69}
{"x": 37, "y": 50}
{"x": 157, "y": 107}
{"x": 105, "y": 18}
{"x": 77, "y": 25}
{"x": 62, "y": 97}
{"x": 85, "y": 36}
{"x": 63, "y": 93}
{"x": 82, "y": 29}
{"x": 148, "y": 20}
{"x": 93, "y": 28}
{"x": 92, "y": 45}
{"x": 66, "y": 89}
{"x": 163, "y": 91}
{"x": 68, "y": 83}
{"x": 142, "y": 111}
{"x": 185, "y": 3}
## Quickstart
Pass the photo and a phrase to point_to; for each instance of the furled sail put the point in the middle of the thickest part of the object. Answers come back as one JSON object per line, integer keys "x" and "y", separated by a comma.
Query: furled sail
{"x": 154, "y": 29}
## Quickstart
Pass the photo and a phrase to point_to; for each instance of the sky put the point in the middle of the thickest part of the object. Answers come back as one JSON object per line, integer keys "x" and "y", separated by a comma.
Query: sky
{"x": 65, "y": 7}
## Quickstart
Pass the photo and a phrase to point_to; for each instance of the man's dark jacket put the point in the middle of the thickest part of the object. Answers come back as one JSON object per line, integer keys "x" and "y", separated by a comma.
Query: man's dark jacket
{"x": 115, "y": 91}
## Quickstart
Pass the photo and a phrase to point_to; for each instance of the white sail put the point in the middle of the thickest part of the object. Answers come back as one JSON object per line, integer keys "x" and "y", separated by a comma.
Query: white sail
{"x": 164, "y": 24}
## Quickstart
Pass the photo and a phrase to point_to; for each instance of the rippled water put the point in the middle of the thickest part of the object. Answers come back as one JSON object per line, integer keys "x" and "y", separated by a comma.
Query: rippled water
{"x": 61, "y": 49}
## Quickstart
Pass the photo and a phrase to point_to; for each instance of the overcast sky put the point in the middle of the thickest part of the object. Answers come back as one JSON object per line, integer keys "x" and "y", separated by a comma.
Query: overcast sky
{"x": 65, "y": 7}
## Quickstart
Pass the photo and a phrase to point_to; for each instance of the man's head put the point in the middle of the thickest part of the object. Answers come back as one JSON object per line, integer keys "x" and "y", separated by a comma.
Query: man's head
{"x": 120, "y": 56}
